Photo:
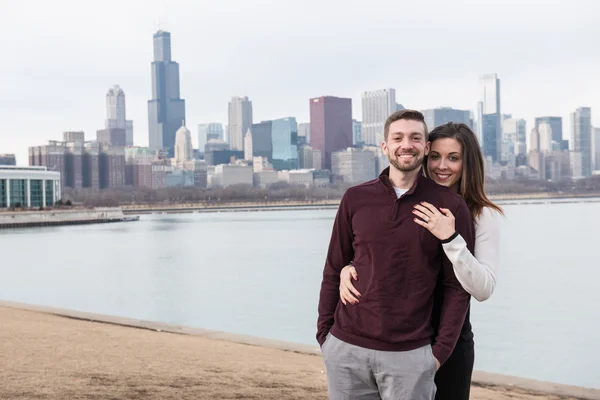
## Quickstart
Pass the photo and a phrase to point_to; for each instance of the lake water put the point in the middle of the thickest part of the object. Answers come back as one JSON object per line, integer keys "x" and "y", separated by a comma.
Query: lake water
{"x": 259, "y": 273}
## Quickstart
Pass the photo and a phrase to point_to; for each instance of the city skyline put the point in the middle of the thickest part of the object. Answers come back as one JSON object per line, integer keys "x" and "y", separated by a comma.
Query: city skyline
{"x": 68, "y": 95}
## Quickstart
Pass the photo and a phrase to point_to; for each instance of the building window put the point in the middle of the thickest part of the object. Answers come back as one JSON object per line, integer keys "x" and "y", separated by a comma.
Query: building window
{"x": 18, "y": 192}
{"x": 36, "y": 194}
{"x": 49, "y": 193}
{"x": 57, "y": 192}
{"x": 3, "y": 200}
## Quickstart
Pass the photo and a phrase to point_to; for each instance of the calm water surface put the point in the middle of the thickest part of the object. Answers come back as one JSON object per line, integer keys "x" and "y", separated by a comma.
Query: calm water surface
{"x": 259, "y": 273}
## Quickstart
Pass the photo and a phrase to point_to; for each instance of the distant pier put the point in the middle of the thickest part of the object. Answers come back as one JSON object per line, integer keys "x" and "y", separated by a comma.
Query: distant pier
{"x": 60, "y": 217}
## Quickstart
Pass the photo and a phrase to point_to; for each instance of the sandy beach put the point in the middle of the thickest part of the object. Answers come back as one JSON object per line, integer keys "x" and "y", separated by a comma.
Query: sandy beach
{"x": 47, "y": 356}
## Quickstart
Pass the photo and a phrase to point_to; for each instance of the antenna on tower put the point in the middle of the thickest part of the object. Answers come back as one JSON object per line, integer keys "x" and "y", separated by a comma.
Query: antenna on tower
{"x": 163, "y": 18}
{"x": 159, "y": 20}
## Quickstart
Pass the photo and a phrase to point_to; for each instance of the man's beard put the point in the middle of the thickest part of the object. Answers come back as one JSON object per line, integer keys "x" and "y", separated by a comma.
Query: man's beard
{"x": 417, "y": 162}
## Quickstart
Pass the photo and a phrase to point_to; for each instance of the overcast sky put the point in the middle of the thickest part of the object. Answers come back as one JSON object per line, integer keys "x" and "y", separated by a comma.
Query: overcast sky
{"x": 59, "y": 58}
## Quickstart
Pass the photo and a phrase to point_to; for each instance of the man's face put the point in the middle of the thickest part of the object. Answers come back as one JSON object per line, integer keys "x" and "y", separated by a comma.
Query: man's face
{"x": 405, "y": 146}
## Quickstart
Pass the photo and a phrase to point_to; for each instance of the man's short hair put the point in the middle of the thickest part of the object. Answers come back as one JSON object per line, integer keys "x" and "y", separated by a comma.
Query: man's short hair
{"x": 411, "y": 115}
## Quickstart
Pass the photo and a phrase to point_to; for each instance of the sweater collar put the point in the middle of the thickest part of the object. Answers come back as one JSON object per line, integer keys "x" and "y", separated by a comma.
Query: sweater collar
{"x": 384, "y": 177}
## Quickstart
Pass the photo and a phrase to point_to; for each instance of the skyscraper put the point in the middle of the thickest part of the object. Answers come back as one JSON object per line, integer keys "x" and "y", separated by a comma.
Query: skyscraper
{"x": 596, "y": 148}
{"x": 262, "y": 140}
{"x": 357, "y": 133}
{"x": 248, "y": 146}
{"x": 115, "y": 107}
{"x": 116, "y": 114}
{"x": 331, "y": 126}
{"x": 581, "y": 142}
{"x": 206, "y": 132}
{"x": 489, "y": 116}
{"x": 183, "y": 146}
{"x": 284, "y": 136}
{"x": 515, "y": 130}
{"x": 240, "y": 120}
{"x": 514, "y": 137}
{"x": 377, "y": 105}
{"x": 442, "y": 115}
{"x": 303, "y": 133}
{"x": 534, "y": 140}
{"x": 545, "y": 133}
{"x": 557, "y": 130}
{"x": 166, "y": 109}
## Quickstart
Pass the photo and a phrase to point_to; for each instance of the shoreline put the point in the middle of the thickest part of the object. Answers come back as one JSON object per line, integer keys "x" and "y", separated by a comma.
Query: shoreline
{"x": 480, "y": 379}
{"x": 62, "y": 217}
{"x": 247, "y": 206}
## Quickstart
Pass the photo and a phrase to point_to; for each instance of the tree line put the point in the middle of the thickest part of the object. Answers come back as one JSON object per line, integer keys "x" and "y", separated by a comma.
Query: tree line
{"x": 282, "y": 191}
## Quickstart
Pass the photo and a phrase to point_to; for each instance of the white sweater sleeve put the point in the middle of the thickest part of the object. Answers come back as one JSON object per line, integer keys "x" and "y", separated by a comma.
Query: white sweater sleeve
{"x": 477, "y": 274}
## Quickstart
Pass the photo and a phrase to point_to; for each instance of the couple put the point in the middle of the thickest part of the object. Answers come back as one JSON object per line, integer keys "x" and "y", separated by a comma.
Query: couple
{"x": 418, "y": 242}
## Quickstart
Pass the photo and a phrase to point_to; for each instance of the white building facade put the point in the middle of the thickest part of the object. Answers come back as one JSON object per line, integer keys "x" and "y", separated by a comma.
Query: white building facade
{"x": 28, "y": 187}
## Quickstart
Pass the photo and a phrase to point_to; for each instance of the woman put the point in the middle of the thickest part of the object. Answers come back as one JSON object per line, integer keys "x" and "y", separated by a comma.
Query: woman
{"x": 455, "y": 161}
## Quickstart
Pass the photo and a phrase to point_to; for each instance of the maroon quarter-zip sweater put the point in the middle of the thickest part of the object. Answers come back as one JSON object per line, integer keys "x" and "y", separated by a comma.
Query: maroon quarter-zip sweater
{"x": 398, "y": 264}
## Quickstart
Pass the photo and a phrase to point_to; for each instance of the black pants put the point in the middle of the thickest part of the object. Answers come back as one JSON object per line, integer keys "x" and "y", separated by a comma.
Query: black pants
{"x": 453, "y": 379}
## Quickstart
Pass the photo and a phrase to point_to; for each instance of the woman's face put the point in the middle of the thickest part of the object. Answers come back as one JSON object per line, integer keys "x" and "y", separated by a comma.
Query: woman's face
{"x": 445, "y": 162}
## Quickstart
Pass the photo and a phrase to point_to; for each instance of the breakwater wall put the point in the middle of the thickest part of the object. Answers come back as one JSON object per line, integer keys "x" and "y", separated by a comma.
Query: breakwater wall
{"x": 26, "y": 219}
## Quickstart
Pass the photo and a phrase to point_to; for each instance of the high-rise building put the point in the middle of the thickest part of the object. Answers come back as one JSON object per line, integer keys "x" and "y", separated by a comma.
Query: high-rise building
{"x": 534, "y": 157}
{"x": 74, "y": 136}
{"x": 581, "y": 142}
{"x": 129, "y": 132}
{"x": 356, "y": 133}
{"x": 240, "y": 120}
{"x": 262, "y": 140}
{"x": 545, "y": 133}
{"x": 305, "y": 157}
{"x": 442, "y": 115}
{"x": 248, "y": 146}
{"x": 166, "y": 109}
{"x": 377, "y": 105}
{"x": 534, "y": 140}
{"x": 217, "y": 152}
{"x": 52, "y": 155}
{"x": 557, "y": 130}
{"x": 489, "y": 116}
{"x": 596, "y": 149}
{"x": 331, "y": 126}
{"x": 112, "y": 168}
{"x": 112, "y": 137}
{"x": 91, "y": 165}
{"x": 82, "y": 164}
{"x": 284, "y": 136}
{"x": 304, "y": 133}
{"x": 213, "y": 130}
{"x": 138, "y": 166}
{"x": 576, "y": 164}
{"x": 116, "y": 114}
{"x": 183, "y": 146}
{"x": 514, "y": 131}
{"x": 8, "y": 159}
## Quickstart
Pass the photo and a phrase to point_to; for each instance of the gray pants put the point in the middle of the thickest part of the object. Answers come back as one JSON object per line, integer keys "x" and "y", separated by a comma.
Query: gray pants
{"x": 357, "y": 373}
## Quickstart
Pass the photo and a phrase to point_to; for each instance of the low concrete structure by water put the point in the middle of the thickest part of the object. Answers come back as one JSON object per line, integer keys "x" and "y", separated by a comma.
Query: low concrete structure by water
{"x": 56, "y": 217}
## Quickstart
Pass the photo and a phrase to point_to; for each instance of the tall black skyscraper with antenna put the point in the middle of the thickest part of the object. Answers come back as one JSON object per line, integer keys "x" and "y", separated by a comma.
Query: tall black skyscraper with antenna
{"x": 166, "y": 110}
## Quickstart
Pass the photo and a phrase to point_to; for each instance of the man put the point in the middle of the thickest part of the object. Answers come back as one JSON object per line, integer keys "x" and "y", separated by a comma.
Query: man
{"x": 381, "y": 348}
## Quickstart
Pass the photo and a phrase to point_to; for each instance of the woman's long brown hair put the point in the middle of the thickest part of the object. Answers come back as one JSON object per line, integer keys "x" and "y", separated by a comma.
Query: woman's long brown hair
{"x": 472, "y": 182}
